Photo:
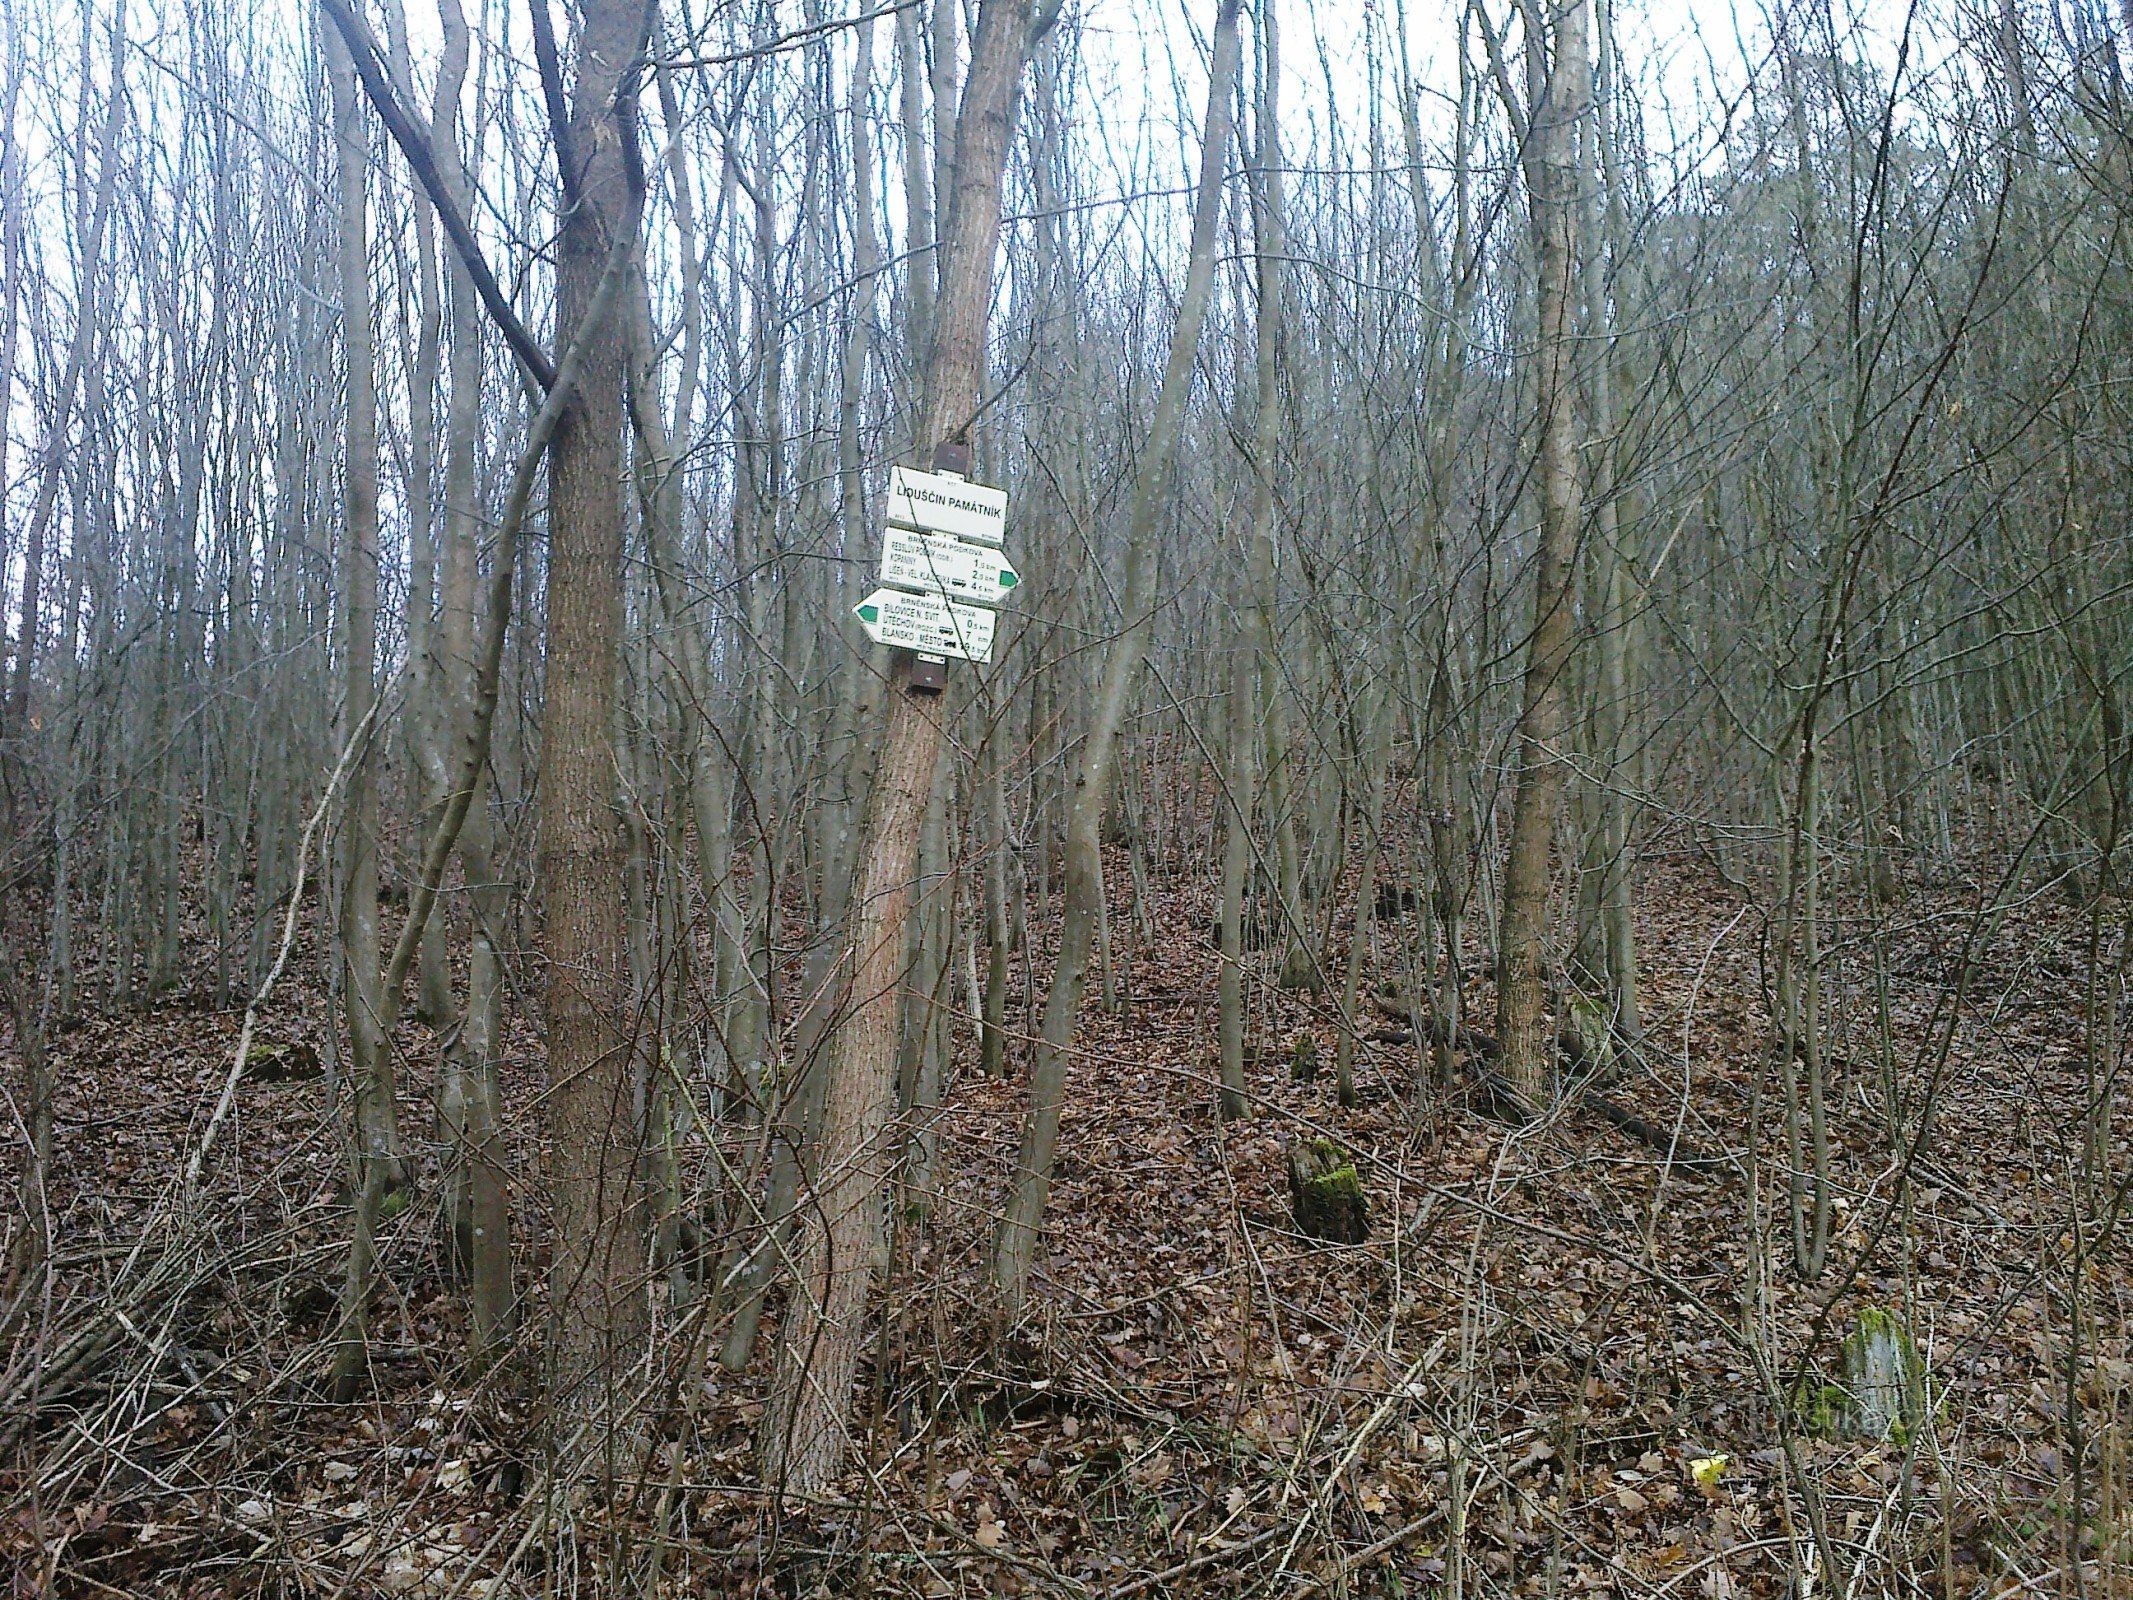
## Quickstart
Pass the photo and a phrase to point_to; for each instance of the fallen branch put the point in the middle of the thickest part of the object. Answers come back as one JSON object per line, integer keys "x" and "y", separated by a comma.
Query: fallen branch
{"x": 1371, "y": 1551}
{"x": 1228, "y": 1552}
{"x": 1678, "y": 1152}
{"x": 1495, "y": 1097}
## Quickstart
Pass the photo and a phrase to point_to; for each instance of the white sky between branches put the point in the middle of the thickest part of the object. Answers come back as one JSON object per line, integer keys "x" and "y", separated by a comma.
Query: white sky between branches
{"x": 1140, "y": 95}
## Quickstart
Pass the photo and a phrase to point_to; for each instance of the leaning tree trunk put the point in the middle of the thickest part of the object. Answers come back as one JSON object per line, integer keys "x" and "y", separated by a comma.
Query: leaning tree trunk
{"x": 1015, "y": 1247}
{"x": 1557, "y": 106}
{"x": 805, "y": 1425}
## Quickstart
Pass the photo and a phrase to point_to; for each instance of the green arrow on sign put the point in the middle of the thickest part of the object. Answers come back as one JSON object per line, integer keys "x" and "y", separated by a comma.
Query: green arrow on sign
{"x": 1009, "y": 577}
{"x": 868, "y": 613}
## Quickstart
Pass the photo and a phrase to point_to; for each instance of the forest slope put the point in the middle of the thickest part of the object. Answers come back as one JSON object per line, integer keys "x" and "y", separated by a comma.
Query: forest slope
{"x": 1547, "y": 1330}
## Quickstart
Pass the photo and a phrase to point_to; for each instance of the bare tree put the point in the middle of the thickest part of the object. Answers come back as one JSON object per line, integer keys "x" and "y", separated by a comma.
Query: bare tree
{"x": 1558, "y": 89}
{"x": 1015, "y": 1247}
{"x": 804, "y": 1428}
{"x": 377, "y": 1168}
{"x": 596, "y": 1285}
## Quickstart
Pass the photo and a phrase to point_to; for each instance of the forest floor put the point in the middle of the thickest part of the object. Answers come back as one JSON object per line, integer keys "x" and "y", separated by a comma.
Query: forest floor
{"x": 1507, "y": 1389}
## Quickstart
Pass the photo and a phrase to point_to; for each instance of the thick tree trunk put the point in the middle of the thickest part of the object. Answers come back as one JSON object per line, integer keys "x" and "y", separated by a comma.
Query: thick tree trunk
{"x": 596, "y": 1282}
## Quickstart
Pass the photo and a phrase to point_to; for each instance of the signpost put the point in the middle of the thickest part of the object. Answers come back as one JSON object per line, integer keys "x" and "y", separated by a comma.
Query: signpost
{"x": 929, "y": 562}
{"x": 940, "y": 557}
{"x": 927, "y": 623}
{"x": 940, "y": 502}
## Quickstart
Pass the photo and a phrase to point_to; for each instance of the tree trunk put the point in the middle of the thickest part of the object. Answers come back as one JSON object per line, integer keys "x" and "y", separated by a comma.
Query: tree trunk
{"x": 999, "y": 942}
{"x": 426, "y": 722}
{"x": 1239, "y": 746}
{"x": 1560, "y": 83}
{"x": 919, "y": 281}
{"x": 377, "y": 1169}
{"x": 805, "y": 1424}
{"x": 1372, "y": 757}
{"x": 596, "y": 1281}
{"x": 1015, "y": 1246}
{"x": 1601, "y": 219}
{"x": 475, "y": 1213}
{"x": 926, "y": 1034}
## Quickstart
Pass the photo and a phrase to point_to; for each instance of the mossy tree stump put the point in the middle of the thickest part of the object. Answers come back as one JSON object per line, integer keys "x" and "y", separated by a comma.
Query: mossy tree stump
{"x": 1303, "y": 1058}
{"x": 1883, "y": 1390}
{"x": 1884, "y": 1379}
{"x": 1587, "y": 1035}
{"x": 1326, "y": 1193}
{"x": 281, "y": 1063}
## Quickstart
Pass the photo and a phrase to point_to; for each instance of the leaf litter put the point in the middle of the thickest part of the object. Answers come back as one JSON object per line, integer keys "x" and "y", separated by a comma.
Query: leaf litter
{"x": 1559, "y": 1363}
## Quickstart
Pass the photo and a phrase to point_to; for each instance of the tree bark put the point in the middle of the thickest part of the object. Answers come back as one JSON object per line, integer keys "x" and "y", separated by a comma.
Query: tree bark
{"x": 1241, "y": 746}
{"x": 596, "y": 1283}
{"x": 1600, "y": 206}
{"x": 1015, "y": 1245}
{"x": 805, "y": 1424}
{"x": 1561, "y": 78}
{"x": 377, "y": 1168}
{"x": 918, "y": 183}
{"x": 476, "y": 1195}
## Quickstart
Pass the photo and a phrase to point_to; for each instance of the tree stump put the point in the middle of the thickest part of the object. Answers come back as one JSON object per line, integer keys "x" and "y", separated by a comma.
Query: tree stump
{"x": 281, "y": 1063}
{"x": 1883, "y": 1390}
{"x": 1587, "y": 1036}
{"x": 1326, "y": 1194}
{"x": 1303, "y": 1058}
{"x": 1884, "y": 1379}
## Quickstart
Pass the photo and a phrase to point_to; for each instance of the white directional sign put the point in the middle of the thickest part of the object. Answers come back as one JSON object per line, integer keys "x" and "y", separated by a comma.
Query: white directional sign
{"x": 914, "y": 560}
{"x": 927, "y": 623}
{"x": 934, "y": 502}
